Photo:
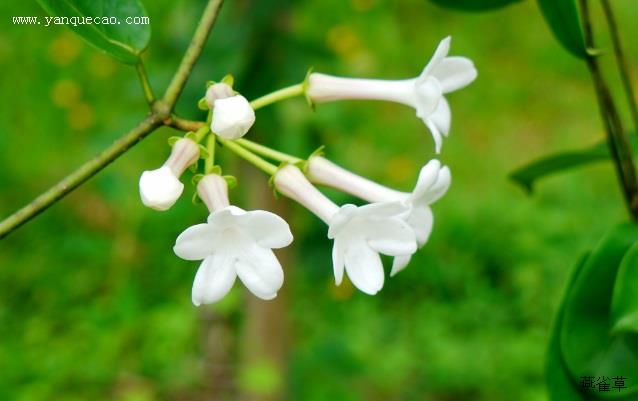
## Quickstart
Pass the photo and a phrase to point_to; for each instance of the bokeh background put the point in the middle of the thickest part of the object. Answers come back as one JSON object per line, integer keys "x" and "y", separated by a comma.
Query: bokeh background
{"x": 95, "y": 305}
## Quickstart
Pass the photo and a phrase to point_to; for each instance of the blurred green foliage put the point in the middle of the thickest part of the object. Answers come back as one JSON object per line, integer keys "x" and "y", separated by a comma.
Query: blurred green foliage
{"x": 94, "y": 305}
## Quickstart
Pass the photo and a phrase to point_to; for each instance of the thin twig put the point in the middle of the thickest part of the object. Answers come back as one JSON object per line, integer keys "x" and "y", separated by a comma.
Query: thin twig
{"x": 192, "y": 53}
{"x": 184, "y": 125}
{"x": 160, "y": 115}
{"x": 621, "y": 61}
{"x": 146, "y": 85}
{"x": 79, "y": 176}
{"x": 616, "y": 136}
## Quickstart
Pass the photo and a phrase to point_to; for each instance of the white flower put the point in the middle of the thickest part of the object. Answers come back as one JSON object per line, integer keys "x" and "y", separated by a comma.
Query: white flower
{"x": 433, "y": 182}
{"x": 233, "y": 242}
{"x": 360, "y": 233}
{"x": 425, "y": 93}
{"x": 160, "y": 188}
{"x": 232, "y": 117}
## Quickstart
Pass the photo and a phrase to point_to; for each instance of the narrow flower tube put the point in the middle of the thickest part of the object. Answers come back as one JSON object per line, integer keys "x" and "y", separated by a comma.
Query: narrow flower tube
{"x": 424, "y": 93}
{"x": 291, "y": 183}
{"x": 233, "y": 243}
{"x": 360, "y": 234}
{"x": 434, "y": 180}
{"x": 212, "y": 189}
{"x": 160, "y": 188}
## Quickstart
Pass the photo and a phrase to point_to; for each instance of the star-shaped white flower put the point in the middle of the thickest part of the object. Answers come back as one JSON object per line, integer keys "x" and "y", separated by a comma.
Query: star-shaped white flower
{"x": 433, "y": 182}
{"x": 362, "y": 233}
{"x": 424, "y": 93}
{"x": 234, "y": 243}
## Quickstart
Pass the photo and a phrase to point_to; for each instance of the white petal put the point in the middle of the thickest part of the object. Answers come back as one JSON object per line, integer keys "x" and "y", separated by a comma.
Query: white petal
{"x": 267, "y": 229}
{"x": 442, "y": 116}
{"x": 226, "y": 217}
{"x": 260, "y": 271}
{"x": 427, "y": 178}
{"x": 160, "y": 189}
{"x": 399, "y": 263}
{"x": 439, "y": 54}
{"x": 454, "y": 73}
{"x": 340, "y": 220}
{"x": 381, "y": 210}
{"x": 427, "y": 95}
{"x": 338, "y": 260}
{"x": 214, "y": 278}
{"x": 439, "y": 188}
{"x": 364, "y": 267}
{"x": 421, "y": 221}
{"x": 392, "y": 237}
{"x": 195, "y": 243}
{"x": 438, "y": 140}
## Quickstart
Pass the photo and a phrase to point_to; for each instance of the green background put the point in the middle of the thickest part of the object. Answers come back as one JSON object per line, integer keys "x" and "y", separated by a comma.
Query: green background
{"x": 95, "y": 305}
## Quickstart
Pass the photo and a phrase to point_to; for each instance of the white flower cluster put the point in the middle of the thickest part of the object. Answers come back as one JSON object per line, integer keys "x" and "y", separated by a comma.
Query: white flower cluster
{"x": 237, "y": 243}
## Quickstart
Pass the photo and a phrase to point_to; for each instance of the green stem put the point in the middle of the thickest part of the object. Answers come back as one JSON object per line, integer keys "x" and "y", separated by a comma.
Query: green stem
{"x": 210, "y": 146}
{"x": 249, "y": 156}
{"x": 201, "y": 132}
{"x": 184, "y": 125}
{"x": 160, "y": 115}
{"x": 192, "y": 53}
{"x": 621, "y": 61}
{"x": 616, "y": 136}
{"x": 277, "y": 96}
{"x": 79, "y": 176}
{"x": 265, "y": 151}
{"x": 146, "y": 85}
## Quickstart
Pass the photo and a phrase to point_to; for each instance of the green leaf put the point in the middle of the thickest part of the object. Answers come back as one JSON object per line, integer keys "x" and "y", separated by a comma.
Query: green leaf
{"x": 560, "y": 385}
{"x": 587, "y": 346}
{"x": 625, "y": 300}
{"x": 473, "y": 5}
{"x": 527, "y": 175}
{"x": 564, "y": 20}
{"x": 123, "y": 41}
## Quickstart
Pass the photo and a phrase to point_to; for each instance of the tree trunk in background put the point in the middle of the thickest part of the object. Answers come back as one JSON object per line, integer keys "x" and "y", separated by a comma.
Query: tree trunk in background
{"x": 264, "y": 336}
{"x": 220, "y": 345}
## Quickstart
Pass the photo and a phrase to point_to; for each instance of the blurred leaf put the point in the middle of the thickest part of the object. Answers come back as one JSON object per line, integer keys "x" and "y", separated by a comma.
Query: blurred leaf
{"x": 473, "y": 5}
{"x": 560, "y": 385}
{"x": 563, "y": 19}
{"x": 588, "y": 348}
{"x": 625, "y": 301}
{"x": 527, "y": 175}
{"x": 261, "y": 377}
{"x": 125, "y": 42}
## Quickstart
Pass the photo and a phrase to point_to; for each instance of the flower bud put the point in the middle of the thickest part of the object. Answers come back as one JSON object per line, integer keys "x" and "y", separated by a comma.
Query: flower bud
{"x": 160, "y": 188}
{"x": 232, "y": 117}
{"x": 218, "y": 91}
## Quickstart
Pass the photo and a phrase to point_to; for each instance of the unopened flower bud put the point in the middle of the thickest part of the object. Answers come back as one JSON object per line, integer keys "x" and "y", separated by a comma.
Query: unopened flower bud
{"x": 160, "y": 188}
{"x": 232, "y": 117}
{"x": 218, "y": 91}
